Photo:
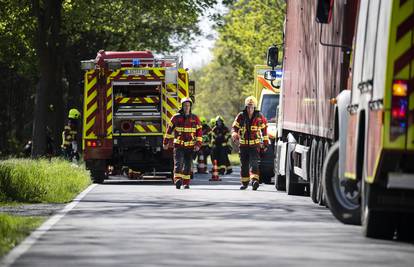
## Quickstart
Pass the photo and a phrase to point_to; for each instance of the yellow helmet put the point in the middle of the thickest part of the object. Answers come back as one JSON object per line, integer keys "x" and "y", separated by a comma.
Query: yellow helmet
{"x": 186, "y": 99}
{"x": 212, "y": 122}
{"x": 250, "y": 100}
{"x": 203, "y": 120}
{"x": 74, "y": 114}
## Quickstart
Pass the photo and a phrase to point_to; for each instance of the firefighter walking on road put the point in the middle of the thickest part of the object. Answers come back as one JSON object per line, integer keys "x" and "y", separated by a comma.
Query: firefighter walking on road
{"x": 69, "y": 136}
{"x": 205, "y": 149}
{"x": 184, "y": 133}
{"x": 249, "y": 132}
{"x": 220, "y": 148}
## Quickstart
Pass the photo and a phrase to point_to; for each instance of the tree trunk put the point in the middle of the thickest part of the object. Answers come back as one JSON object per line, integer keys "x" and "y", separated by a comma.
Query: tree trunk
{"x": 48, "y": 91}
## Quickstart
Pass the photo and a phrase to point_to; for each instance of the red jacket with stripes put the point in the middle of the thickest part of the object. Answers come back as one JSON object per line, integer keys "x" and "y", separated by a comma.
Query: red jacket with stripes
{"x": 252, "y": 131}
{"x": 184, "y": 131}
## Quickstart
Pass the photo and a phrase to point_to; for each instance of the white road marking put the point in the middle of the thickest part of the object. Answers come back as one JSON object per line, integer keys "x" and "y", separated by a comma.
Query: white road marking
{"x": 24, "y": 246}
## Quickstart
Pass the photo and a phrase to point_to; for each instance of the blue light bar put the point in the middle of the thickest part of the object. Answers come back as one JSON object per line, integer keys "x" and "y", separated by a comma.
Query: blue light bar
{"x": 135, "y": 62}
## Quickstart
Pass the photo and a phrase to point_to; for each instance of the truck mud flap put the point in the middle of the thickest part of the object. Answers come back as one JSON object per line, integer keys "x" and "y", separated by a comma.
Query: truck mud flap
{"x": 280, "y": 160}
{"x": 301, "y": 155}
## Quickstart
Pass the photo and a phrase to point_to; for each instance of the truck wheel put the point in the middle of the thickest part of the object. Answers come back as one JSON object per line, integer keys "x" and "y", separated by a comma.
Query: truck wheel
{"x": 98, "y": 176}
{"x": 344, "y": 204}
{"x": 321, "y": 195}
{"x": 375, "y": 223}
{"x": 266, "y": 177}
{"x": 405, "y": 227}
{"x": 312, "y": 171}
{"x": 280, "y": 182}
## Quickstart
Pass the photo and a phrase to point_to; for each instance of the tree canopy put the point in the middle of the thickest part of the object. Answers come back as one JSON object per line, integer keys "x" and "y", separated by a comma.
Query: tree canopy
{"x": 42, "y": 42}
{"x": 245, "y": 33}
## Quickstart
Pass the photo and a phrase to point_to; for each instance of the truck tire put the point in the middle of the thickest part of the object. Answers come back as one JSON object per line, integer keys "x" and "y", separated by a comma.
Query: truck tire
{"x": 345, "y": 209}
{"x": 280, "y": 182}
{"x": 266, "y": 177}
{"x": 312, "y": 171}
{"x": 321, "y": 195}
{"x": 98, "y": 176}
{"x": 375, "y": 223}
{"x": 405, "y": 227}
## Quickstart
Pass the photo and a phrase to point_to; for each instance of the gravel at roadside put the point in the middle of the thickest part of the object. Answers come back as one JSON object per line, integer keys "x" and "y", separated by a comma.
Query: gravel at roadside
{"x": 32, "y": 209}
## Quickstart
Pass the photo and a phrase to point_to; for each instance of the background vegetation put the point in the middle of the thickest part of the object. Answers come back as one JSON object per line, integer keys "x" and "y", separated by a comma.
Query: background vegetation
{"x": 245, "y": 33}
{"x": 43, "y": 41}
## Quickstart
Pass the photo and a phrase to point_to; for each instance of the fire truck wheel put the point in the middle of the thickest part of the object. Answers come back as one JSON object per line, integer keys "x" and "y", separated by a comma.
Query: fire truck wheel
{"x": 312, "y": 171}
{"x": 342, "y": 201}
{"x": 98, "y": 176}
{"x": 375, "y": 223}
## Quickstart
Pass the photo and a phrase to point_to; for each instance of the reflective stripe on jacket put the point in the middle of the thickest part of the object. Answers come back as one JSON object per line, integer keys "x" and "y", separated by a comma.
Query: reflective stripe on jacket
{"x": 252, "y": 131}
{"x": 184, "y": 130}
{"x": 68, "y": 135}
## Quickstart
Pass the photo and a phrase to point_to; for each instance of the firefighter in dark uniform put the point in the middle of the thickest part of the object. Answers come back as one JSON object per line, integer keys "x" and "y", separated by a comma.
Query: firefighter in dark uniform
{"x": 249, "y": 132}
{"x": 205, "y": 149}
{"x": 69, "y": 143}
{"x": 184, "y": 133}
{"x": 220, "y": 148}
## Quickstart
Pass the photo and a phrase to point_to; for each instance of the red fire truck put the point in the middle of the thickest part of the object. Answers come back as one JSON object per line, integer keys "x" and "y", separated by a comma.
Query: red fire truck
{"x": 129, "y": 97}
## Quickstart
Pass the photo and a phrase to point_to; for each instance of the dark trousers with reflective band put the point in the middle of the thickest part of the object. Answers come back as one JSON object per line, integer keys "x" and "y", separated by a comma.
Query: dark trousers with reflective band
{"x": 220, "y": 154}
{"x": 183, "y": 160}
{"x": 249, "y": 161}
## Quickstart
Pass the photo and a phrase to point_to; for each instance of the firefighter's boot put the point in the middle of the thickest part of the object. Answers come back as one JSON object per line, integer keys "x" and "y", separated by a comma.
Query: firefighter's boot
{"x": 255, "y": 184}
{"x": 178, "y": 183}
{"x": 229, "y": 171}
{"x": 186, "y": 184}
{"x": 244, "y": 186}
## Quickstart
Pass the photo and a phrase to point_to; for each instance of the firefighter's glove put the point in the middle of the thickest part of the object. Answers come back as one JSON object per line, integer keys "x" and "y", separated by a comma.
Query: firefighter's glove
{"x": 165, "y": 146}
{"x": 196, "y": 148}
{"x": 263, "y": 147}
{"x": 235, "y": 137}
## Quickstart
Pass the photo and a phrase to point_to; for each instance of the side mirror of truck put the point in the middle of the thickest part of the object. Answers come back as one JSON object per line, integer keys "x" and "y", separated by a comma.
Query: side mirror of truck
{"x": 272, "y": 56}
{"x": 270, "y": 75}
{"x": 324, "y": 11}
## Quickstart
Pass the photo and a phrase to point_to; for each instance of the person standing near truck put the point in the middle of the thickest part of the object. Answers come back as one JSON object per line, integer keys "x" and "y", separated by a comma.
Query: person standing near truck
{"x": 220, "y": 148}
{"x": 249, "y": 132}
{"x": 184, "y": 133}
{"x": 69, "y": 136}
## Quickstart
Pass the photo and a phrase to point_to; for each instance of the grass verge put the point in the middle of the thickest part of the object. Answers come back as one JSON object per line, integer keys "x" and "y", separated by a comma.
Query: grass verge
{"x": 41, "y": 181}
{"x": 34, "y": 181}
{"x": 13, "y": 229}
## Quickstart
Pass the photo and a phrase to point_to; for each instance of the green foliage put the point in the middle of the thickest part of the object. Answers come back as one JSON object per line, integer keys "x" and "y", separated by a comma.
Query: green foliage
{"x": 13, "y": 229}
{"x": 27, "y": 180}
{"x": 249, "y": 28}
{"x": 84, "y": 27}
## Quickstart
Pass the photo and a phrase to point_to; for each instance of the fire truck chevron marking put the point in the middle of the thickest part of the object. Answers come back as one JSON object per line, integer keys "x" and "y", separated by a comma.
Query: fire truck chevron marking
{"x": 404, "y": 60}
{"x": 171, "y": 87}
{"x": 406, "y": 26}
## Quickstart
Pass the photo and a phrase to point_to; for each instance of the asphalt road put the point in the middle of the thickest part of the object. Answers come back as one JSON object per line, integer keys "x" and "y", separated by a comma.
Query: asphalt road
{"x": 128, "y": 223}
